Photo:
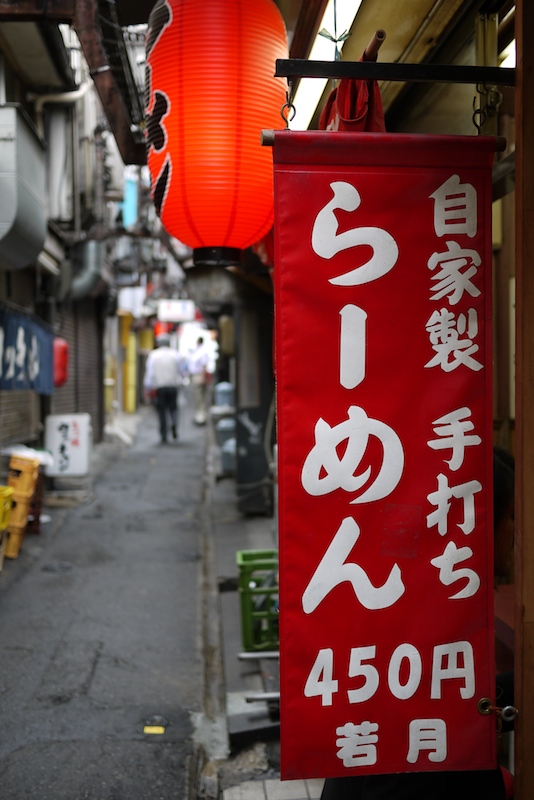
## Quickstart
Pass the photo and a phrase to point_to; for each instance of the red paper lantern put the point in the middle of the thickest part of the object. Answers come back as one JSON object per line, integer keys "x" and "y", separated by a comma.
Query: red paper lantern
{"x": 61, "y": 361}
{"x": 210, "y": 91}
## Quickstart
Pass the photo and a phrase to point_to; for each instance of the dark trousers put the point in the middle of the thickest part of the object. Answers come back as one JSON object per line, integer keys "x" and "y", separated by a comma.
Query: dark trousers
{"x": 167, "y": 407}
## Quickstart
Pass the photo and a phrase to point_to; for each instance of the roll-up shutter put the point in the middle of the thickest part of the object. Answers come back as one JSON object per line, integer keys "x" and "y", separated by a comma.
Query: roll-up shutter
{"x": 82, "y": 328}
{"x": 89, "y": 366}
{"x": 64, "y": 398}
{"x": 19, "y": 417}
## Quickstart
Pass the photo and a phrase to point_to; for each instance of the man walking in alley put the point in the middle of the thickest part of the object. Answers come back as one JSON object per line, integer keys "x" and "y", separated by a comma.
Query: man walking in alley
{"x": 163, "y": 377}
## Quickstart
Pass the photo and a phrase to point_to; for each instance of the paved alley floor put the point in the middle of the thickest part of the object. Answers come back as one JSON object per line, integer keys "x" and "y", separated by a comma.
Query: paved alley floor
{"x": 101, "y": 668}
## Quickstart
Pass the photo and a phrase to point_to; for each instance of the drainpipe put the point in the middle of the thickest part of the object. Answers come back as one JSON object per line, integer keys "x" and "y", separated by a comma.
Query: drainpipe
{"x": 65, "y": 98}
{"x": 41, "y": 100}
{"x": 87, "y": 281}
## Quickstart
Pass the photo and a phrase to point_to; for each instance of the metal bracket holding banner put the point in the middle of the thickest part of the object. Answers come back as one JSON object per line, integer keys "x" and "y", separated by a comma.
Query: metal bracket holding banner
{"x": 371, "y": 70}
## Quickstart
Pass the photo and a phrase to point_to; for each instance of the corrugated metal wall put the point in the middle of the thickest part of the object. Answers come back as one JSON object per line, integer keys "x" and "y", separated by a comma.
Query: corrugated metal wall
{"x": 82, "y": 328}
{"x": 19, "y": 417}
{"x": 64, "y": 398}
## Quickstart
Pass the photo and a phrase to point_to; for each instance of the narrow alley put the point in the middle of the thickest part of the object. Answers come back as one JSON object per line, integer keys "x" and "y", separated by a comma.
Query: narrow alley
{"x": 100, "y": 627}
{"x": 120, "y": 634}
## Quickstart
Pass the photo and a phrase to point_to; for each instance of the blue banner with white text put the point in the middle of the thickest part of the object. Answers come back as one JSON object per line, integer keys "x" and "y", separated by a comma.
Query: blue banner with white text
{"x": 26, "y": 354}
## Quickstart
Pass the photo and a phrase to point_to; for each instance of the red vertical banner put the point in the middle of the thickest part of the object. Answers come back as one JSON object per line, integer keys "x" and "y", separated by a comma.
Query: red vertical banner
{"x": 383, "y": 369}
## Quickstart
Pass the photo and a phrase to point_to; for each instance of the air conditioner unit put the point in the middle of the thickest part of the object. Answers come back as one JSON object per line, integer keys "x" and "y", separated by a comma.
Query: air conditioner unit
{"x": 22, "y": 190}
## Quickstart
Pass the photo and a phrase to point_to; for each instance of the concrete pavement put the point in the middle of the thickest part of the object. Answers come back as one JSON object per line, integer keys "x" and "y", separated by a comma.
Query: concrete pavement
{"x": 101, "y": 659}
{"x": 123, "y": 616}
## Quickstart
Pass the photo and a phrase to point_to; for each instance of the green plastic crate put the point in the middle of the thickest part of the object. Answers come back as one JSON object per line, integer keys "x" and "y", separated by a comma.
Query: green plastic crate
{"x": 258, "y": 592}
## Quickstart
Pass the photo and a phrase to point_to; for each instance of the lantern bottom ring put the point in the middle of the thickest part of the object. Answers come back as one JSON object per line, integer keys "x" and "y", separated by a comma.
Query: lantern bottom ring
{"x": 217, "y": 256}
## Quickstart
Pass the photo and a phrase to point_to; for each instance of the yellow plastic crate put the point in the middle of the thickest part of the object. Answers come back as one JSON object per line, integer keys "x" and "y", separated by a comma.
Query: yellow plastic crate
{"x": 15, "y": 537}
{"x": 6, "y": 501}
{"x": 3, "y": 542}
{"x": 23, "y": 474}
{"x": 19, "y": 510}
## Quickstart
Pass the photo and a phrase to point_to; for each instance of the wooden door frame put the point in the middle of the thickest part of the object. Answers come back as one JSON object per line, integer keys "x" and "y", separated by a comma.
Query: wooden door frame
{"x": 524, "y": 517}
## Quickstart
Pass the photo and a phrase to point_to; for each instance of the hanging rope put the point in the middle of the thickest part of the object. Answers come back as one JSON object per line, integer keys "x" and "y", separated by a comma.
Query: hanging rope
{"x": 335, "y": 38}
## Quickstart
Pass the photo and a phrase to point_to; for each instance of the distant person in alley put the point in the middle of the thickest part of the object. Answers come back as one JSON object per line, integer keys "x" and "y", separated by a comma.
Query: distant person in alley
{"x": 198, "y": 368}
{"x": 163, "y": 377}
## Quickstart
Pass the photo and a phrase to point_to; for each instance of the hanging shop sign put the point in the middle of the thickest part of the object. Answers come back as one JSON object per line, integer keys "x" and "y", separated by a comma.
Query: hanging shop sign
{"x": 206, "y": 108}
{"x": 176, "y": 310}
{"x": 68, "y": 438}
{"x": 383, "y": 366}
{"x": 26, "y": 353}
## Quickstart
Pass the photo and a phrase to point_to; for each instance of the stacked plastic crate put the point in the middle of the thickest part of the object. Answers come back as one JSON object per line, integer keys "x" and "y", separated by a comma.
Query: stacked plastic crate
{"x": 258, "y": 592}
{"x": 22, "y": 478}
{"x": 6, "y": 498}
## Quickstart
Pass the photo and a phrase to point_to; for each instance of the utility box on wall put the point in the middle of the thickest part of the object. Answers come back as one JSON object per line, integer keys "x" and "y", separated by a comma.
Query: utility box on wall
{"x": 68, "y": 437}
{"x": 22, "y": 190}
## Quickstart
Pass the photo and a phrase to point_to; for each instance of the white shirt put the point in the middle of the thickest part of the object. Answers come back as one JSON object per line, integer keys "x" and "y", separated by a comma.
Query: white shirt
{"x": 163, "y": 368}
{"x": 198, "y": 360}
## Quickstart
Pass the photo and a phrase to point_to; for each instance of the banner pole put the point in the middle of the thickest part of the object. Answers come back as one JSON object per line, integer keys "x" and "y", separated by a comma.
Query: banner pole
{"x": 268, "y": 137}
